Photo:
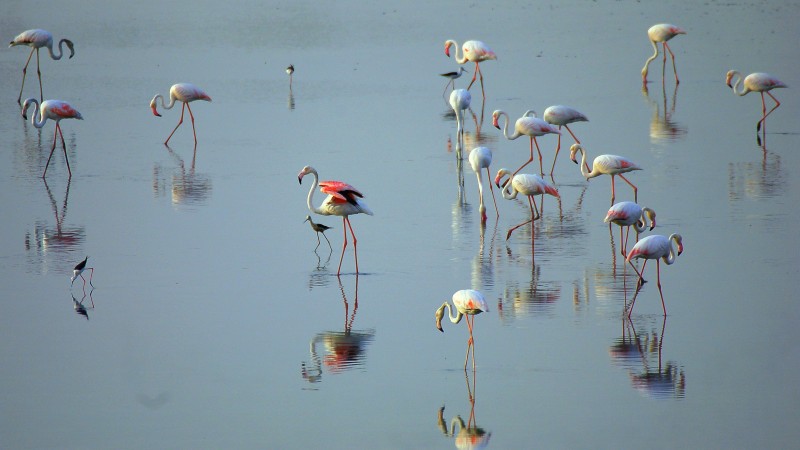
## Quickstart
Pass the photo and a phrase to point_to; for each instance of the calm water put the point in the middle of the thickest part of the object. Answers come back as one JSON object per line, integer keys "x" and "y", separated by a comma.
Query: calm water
{"x": 214, "y": 323}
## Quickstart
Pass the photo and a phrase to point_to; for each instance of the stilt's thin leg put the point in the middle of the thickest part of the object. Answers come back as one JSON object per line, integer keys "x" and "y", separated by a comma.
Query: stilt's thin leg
{"x": 183, "y": 108}
{"x": 326, "y": 238}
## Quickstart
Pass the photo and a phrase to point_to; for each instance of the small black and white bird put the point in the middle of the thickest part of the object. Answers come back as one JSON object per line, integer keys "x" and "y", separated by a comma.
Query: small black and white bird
{"x": 290, "y": 71}
{"x": 452, "y": 76}
{"x": 319, "y": 228}
{"x": 78, "y": 272}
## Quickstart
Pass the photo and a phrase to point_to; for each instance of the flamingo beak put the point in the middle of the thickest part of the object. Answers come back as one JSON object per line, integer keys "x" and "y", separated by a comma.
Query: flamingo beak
{"x": 552, "y": 191}
{"x": 447, "y": 50}
{"x": 439, "y": 316}
{"x": 155, "y": 111}
{"x": 680, "y": 248}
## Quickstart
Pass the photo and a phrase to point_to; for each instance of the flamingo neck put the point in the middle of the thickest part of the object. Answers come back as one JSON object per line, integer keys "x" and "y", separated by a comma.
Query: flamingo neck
{"x": 650, "y": 59}
{"x": 163, "y": 104}
{"x": 584, "y": 172}
{"x": 508, "y": 192}
{"x": 641, "y": 224}
{"x": 670, "y": 258}
{"x": 739, "y": 79}
{"x": 459, "y": 59}
{"x": 310, "y": 200}
{"x": 38, "y": 120}
{"x": 505, "y": 127}
{"x": 453, "y": 319}
{"x": 60, "y": 50}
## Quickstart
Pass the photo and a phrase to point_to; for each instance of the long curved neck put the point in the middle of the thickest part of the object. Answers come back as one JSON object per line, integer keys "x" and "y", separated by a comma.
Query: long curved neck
{"x": 673, "y": 242}
{"x": 736, "y": 85}
{"x": 163, "y": 104}
{"x": 584, "y": 171}
{"x": 480, "y": 189}
{"x": 505, "y": 127}
{"x": 457, "y": 317}
{"x": 459, "y": 59}
{"x": 650, "y": 59}
{"x": 311, "y": 194}
{"x": 60, "y": 50}
{"x": 36, "y": 120}
{"x": 508, "y": 192}
{"x": 641, "y": 224}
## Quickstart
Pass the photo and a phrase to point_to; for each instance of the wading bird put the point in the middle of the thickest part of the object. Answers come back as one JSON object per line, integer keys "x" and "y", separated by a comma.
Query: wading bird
{"x": 481, "y": 158}
{"x": 626, "y": 214}
{"x": 185, "y": 93}
{"x": 53, "y": 110}
{"x": 606, "y": 164}
{"x": 654, "y": 247}
{"x": 452, "y": 76}
{"x": 343, "y": 200}
{"x": 528, "y": 125}
{"x": 36, "y": 39}
{"x": 526, "y": 184}
{"x": 475, "y": 51}
{"x": 561, "y": 115}
{"x": 468, "y": 303}
{"x": 319, "y": 228}
{"x": 756, "y": 82}
{"x": 78, "y": 272}
{"x": 661, "y": 33}
{"x": 290, "y": 71}
{"x": 460, "y": 100}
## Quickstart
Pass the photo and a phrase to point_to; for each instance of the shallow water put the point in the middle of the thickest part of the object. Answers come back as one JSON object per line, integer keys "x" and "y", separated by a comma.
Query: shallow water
{"x": 214, "y": 323}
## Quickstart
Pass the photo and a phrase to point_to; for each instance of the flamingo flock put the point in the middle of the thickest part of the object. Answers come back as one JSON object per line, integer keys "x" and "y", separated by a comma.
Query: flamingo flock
{"x": 344, "y": 200}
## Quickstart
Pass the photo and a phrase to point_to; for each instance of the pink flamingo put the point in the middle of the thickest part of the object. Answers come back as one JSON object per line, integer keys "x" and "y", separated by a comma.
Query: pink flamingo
{"x": 343, "y": 200}
{"x": 756, "y": 82}
{"x": 53, "y": 110}
{"x": 525, "y": 184}
{"x": 627, "y": 214}
{"x": 475, "y": 51}
{"x": 562, "y": 116}
{"x": 182, "y": 92}
{"x": 460, "y": 100}
{"x": 481, "y": 158}
{"x": 606, "y": 164}
{"x": 468, "y": 303}
{"x": 528, "y": 125}
{"x": 654, "y": 247}
{"x": 36, "y": 39}
{"x": 662, "y": 33}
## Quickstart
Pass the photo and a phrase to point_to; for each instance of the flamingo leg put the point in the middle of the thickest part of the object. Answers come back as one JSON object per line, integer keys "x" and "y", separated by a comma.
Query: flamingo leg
{"x": 533, "y": 141}
{"x": 640, "y": 280}
{"x": 192, "y": 117}
{"x": 64, "y": 147}
{"x": 658, "y": 282}
{"x": 39, "y": 73}
{"x": 635, "y": 189}
{"x": 491, "y": 189}
{"x": 764, "y": 112}
{"x": 675, "y": 70}
{"x": 558, "y": 148}
{"x": 639, "y": 285}
{"x": 24, "y": 71}
{"x": 344, "y": 245}
{"x": 183, "y": 108}
{"x": 470, "y": 343}
{"x": 355, "y": 243}
{"x": 52, "y": 149}
{"x": 534, "y": 216}
{"x": 475, "y": 75}
{"x": 624, "y": 242}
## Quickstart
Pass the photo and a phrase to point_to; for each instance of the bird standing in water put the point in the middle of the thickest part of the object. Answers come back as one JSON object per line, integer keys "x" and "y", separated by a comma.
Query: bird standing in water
{"x": 78, "y": 272}
{"x": 290, "y": 71}
{"x": 319, "y": 228}
{"x": 654, "y": 247}
{"x": 53, "y": 110}
{"x": 184, "y": 93}
{"x": 627, "y": 214}
{"x": 36, "y": 39}
{"x": 661, "y": 33}
{"x": 452, "y": 76}
{"x": 468, "y": 303}
{"x": 756, "y": 82}
{"x": 605, "y": 164}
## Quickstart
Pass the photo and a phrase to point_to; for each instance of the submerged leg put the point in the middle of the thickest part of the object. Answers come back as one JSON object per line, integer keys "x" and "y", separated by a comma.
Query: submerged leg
{"x": 183, "y": 108}
{"x": 64, "y": 147}
{"x": 635, "y": 189}
{"x": 52, "y": 149}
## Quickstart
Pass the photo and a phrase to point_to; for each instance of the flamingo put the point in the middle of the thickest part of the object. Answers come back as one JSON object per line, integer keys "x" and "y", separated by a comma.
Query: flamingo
{"x": 525, "y": 184}
{"x": 452, "y": 76}
{"x": 562, "y": 116}
{"x": 467, "y": 302}
{"x": 627, "y": 214}
{"x": 475, "y": 51}
{"x": 606, "y": 164}
{"x": 481, "y": 158}
{"x": 654, "y": 247}
{"x": 53, "y": 110}
{"x": 79, "y": 269}
{"x": 183, "y": 92}
{"x": 662, "y": 32}
{"x": 528, "y": 125}
{"x": 756, "y": 82}
{"x": 343, "y": 200}
{"x": 319, "y": 228}
{"x": 36, "y": 39}
{"x": 460, "y": 100}
{"x": 290, "y": 71}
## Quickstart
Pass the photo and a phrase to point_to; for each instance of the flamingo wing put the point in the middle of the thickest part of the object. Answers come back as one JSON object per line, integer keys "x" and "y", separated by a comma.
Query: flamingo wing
{"x": 614, "y": 163}
{"x": 340, "y": 191}
{"x": 34, "y": 38}
{"x": 651, "y": 247}
{"x": 187, "y": 92}
{"x": 470, "y": 301}
{"x": 62, "y": 109}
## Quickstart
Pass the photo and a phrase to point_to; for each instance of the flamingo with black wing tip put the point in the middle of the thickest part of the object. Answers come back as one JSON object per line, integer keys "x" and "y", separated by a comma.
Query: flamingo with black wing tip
{"x": 756, "y": 82}
{"x": 475, "y": 51}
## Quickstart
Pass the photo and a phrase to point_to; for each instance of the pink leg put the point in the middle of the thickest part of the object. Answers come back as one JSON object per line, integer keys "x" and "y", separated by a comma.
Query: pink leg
{"x": 558, "y": 148}
{"x": 64, "y": 146}
{"x": 635, "y": 189}
{"x": 533, "y": 141}
{"x": 534, "y": 216}
{"x": 474, "y": 76}
{"x": 764, "y": 112}
{"x": 39, "y": 73}
{"x": 658, "y": 278}
{"x": 24, "y": 71}
{"x": 613, "y": 192}
{"x": 355, "y": 242}
{"x": 52, "y": 149}
{"x": 344, "y": 245}
{"x": 489, "y": 175}
{"x": 675, "y": 70}
{"x": 639, "y": 285}
{"x": 183, "y": 108}
{"x": 192, "y": 117}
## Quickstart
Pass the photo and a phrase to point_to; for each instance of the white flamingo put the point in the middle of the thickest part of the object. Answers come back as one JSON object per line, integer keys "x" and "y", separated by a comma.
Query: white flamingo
{"x": 606, "y": 164}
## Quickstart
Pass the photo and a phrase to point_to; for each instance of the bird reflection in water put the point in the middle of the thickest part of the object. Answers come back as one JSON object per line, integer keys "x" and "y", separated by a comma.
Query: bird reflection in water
{"x": 60, "y": 243}
{"x": 80, "y": 308}
{"x": 345, "y": 350}
{"x": 603, "y": 284}
{"x": 470, "y": 139}
{"x": 468, "y": 435}
{"x": 519, "y": 299}
{"x": 662, "y": 127}
{"x": 756, "y": 180}
{"x": 188, "y": 187}
{"x": 641, "y": 356}
{"x": 483, "y": 265}
{"x": 290, "y": 101}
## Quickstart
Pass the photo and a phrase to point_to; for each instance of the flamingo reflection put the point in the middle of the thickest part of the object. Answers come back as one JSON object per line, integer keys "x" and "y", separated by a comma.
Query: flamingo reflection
{"x": 662, "y": 127}
{"x": 80, "y": 308}
{"x": 468, "y": 435}
{"x": 756, "y": 180}
{"x": 641, "y": 356}
{"x": 60, "y": 241}
{"x": 345, "y": 350}
{"x": 521, "y": 298}
{"x": 188, "y": 187}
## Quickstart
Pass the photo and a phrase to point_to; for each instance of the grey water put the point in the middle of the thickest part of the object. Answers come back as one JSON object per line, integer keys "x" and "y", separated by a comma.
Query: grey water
{"x": 215, "y": 323}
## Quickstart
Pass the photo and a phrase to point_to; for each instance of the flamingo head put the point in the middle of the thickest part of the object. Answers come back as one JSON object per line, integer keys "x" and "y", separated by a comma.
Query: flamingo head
{"x": 439, "y": 316}
{"x": 153, "y": 107}
{"x": 496, "y": 119}
{"x": 550, "y": 189}
{"x": 25, "y": 106}
{"x": 306, "y": 170}
{"x": 500, "y": 174}
{"x": 652, "y": 216}
{"x": 447, "y": 46}
{"x": 728, "y": 78}
{"x": 679, "y": 240}
{"x": 71, "y": 47}
{"x": 573, "y": 150}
